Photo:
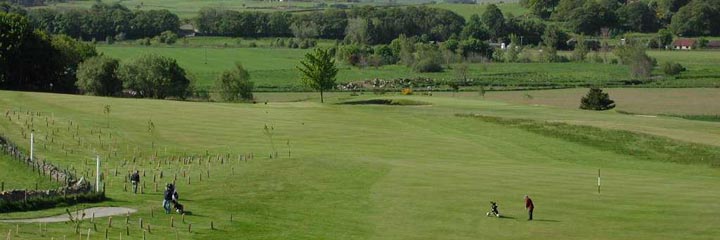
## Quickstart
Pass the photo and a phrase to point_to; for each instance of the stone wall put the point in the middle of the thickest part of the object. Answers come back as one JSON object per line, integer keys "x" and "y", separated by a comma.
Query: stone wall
{"x": 71, "y": 185}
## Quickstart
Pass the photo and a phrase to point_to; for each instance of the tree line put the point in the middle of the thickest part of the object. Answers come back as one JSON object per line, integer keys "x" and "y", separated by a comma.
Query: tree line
{"x": 682, "y": 17}
{"x": 104, "y": 22}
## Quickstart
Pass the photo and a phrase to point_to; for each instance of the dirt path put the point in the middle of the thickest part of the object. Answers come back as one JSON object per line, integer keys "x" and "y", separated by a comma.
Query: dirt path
{"x": 98, "y": 211}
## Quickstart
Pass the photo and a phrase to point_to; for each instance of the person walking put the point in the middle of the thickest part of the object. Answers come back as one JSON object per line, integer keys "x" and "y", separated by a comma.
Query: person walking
{"x": 169, "y": 190}
{"x": 530, "y": 207}
{"x": 135, "y": 180}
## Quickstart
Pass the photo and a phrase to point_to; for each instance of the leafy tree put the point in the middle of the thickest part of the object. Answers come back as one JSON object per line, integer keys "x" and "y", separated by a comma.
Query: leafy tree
{"x": 357, "y": 31}
{"x": 633, "y": 54}
{"x": 513, "y": 50}
{"x": 637, "y": 17}
{"x": 305, "y": 29}
{"x": 234, "y": 85}
{"x": 592, "y": 17}
{"x": 697, "y": 18}
{"x": 664, "y": 37}
{"x": 473, "y": 46}
{"x": 429, "y": 59}
{"x": 565, "y": 9}
{"x": 475, "y": 29}
{"x": 155, "y": 76}
{"x": 581, "y": 49}
{"x": 542, "y": 8}
{"x": 596, "y": 100}
{"x": 318, "y": 71}
{"x": 495, "y": 21}
{"x": 97, "y": 76}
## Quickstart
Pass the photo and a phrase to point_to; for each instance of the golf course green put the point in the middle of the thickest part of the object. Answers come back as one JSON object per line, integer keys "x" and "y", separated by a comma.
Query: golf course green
{"x": 354, "y": 171}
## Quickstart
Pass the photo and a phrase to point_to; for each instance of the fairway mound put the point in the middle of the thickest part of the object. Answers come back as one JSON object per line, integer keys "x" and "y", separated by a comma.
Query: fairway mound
{"x": 97, "y": 211}
{"x": 392, "y": 102}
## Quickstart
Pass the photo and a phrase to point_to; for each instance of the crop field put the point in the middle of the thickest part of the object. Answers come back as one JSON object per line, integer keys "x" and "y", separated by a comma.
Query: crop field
{"x": 376, "y": 172}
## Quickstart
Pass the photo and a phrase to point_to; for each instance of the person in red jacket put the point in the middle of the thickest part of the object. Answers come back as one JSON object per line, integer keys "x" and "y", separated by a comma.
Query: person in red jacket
{"x": 529, "y": 206}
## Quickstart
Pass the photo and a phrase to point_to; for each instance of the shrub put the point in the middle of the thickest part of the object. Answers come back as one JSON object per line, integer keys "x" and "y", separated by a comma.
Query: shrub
{"x": 50, "y": 202}
{"x": 252, "y": 45}
{"x": 167, "y": 37}
{"x": 407, "y": 91}
{"x": 597, "y": 100}
{"x": 428, "y": 65}
{"x": 672, "y": 68}
{"x": 97, "y": 76}
{"x": 234, "y": 85}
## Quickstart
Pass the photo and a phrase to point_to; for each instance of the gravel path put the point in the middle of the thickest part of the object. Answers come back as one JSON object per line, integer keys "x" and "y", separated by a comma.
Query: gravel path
{"x": 99, "y": 212}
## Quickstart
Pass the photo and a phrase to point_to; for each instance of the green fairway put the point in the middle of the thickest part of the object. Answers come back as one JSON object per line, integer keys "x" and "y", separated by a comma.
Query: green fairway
{"x": 374, "y": 172}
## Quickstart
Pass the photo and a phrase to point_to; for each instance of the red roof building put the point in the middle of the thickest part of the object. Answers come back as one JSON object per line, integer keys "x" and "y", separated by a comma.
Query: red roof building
{"x": 684, "y": 43}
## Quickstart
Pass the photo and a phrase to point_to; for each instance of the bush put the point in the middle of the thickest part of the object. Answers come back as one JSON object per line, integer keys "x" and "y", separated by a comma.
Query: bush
{"x": 97, "y": 76}
{"x": 167, "y": 37}
{"x": 672, "y": 68}
{"x": 234, "y": 85}
{"x": 428, "y": 65}
{"x": 597, "y": 100}
{"x": 252, "y": 45}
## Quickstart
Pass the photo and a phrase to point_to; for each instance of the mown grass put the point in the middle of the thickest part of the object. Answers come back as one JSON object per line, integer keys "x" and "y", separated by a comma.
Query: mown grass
{"x": 642, "y": 146}
{"x": 367, "y": 172}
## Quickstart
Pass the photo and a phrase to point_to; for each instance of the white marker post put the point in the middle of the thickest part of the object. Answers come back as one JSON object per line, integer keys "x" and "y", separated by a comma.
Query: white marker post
{"x": 97, "y": 175}
{"x": 598, "y": 181}
{"x": 32, "y": 144}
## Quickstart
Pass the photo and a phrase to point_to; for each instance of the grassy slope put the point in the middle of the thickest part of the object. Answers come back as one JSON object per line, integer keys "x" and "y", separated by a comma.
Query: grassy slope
{"x": 16, "y": 175}
{"x": 382, "y": 172}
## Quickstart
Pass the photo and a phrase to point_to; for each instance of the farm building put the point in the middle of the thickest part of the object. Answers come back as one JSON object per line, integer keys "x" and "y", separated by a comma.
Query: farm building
{"x": 714, "y": 44}
{"x": 684, "y": 44}
{"x": 188, "y": 30}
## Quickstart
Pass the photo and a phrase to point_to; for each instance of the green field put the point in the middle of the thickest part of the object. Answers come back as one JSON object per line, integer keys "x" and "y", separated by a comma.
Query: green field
{"x": 274, "y": 68}
{"x": 375, "y": 172}
{"x": 15, "y": 175}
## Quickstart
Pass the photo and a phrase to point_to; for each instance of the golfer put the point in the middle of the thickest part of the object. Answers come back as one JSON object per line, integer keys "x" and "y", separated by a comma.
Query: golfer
{"x": 135, "y": 180}
{"x": 529, "y": 206}
{"x": 168, "y": 197}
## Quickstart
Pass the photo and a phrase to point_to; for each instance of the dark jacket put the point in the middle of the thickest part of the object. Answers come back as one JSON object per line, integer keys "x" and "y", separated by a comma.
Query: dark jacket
{"x": 168, "y": 195}
{"x": 135, "y": 177}
{"x": 529, "y": 204}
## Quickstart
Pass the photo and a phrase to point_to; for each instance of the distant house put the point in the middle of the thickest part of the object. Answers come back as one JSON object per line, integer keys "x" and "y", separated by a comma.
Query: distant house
{"x": 188, "y": 30}
{"x": 714, "y": 44}
{"x": 684, "y": 44}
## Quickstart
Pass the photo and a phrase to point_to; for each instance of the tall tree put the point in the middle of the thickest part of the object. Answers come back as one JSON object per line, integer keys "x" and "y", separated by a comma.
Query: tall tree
{"x": 475, "y": 29}
{"x": 318, "y": 71}
{"x": 495, "y": 21}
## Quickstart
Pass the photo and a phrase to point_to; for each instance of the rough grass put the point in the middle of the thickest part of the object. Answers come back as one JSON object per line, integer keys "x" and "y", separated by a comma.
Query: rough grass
{"x": 642, "y": 146}
{"x": 359, "y": 172}
{"x": 392, "y": 102}
{"x": 16, "y": 175}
